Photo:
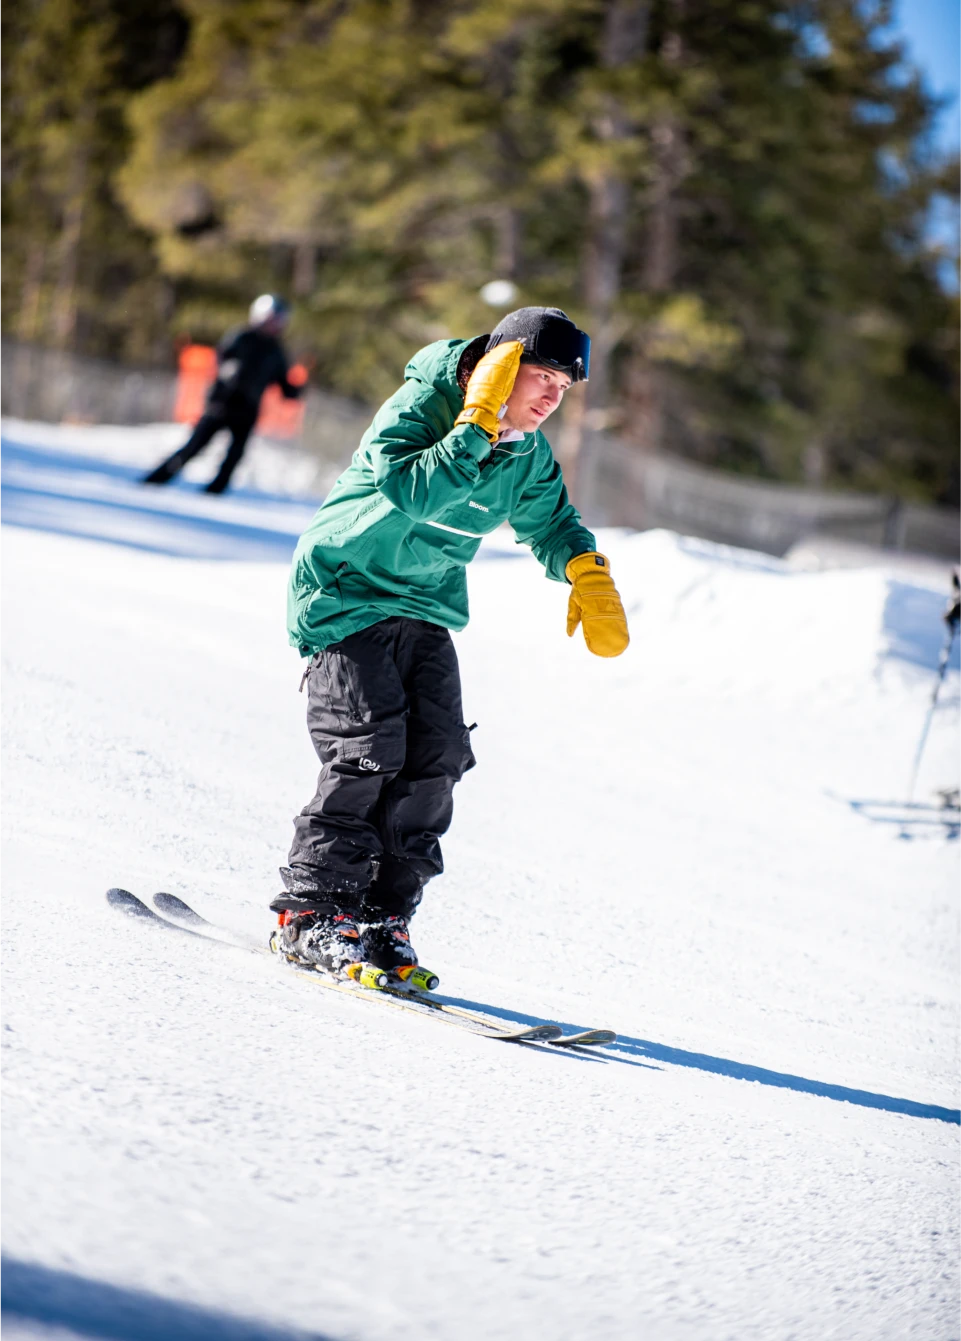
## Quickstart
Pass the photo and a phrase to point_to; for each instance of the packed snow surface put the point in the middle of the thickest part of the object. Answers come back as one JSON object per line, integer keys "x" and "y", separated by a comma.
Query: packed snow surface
{"x": 701, "y": 844}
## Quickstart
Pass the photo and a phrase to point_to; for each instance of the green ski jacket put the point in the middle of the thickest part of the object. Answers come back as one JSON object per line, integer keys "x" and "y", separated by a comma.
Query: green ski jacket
{"x": 405, "y": 518}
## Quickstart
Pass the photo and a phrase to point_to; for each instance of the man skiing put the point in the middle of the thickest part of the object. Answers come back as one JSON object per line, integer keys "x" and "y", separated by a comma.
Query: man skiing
{"x": 248, "y": 361}
{"x": 378, "y": 581}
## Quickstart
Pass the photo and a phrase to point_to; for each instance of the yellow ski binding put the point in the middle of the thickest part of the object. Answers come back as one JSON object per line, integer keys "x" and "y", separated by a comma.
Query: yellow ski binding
{"x": 366, "y": 975}
{"x": 413, "y": 975}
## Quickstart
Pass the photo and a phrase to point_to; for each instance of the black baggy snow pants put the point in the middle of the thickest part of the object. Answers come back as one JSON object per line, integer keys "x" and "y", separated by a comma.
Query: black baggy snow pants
{"x": 385, "y": 718}
{"x": 238, "y": 418}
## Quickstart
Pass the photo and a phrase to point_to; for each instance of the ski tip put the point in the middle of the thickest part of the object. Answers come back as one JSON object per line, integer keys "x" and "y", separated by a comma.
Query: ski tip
{"x": 131, "y": 906}
{"x": 175, "y": 907}
{"x": 122, "y": 898}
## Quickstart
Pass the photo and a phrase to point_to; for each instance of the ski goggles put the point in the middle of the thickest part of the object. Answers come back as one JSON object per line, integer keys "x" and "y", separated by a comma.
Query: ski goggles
{"x": 559, "y": 344}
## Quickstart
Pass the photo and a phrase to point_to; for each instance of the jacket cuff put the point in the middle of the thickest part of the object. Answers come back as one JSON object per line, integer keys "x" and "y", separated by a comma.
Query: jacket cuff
{"x": 474, "y": 441}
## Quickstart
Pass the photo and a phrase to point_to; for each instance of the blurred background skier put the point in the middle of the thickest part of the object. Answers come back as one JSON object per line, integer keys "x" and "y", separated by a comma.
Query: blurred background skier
{"x": 378, "y": 580}
{"x": 249, "y": 360}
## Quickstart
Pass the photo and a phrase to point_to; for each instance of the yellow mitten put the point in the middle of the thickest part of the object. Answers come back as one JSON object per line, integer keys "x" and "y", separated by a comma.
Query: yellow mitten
{"x": 595, "y": 603}
{"x": 490, "y": 385}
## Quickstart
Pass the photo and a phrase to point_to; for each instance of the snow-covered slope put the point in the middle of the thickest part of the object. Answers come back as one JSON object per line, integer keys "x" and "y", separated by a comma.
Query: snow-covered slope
{"x": 690, "y": 844}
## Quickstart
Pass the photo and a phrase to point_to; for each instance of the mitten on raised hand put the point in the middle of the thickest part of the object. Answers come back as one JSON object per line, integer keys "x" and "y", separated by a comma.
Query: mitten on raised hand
{"x": 489, "y": 388}
{"x": 595, "y": 604}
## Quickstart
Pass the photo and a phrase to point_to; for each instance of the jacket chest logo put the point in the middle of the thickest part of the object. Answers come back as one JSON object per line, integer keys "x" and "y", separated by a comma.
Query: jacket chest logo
{"x": 479, "y": 506}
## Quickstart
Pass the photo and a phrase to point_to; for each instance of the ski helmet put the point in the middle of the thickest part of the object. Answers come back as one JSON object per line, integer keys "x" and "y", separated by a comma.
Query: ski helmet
{"x": 549, "y": 337}
{"x": 268, "y": 307}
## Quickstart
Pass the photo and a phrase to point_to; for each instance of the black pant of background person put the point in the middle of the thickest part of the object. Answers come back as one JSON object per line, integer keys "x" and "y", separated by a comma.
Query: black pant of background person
{"x": 385, "y": 718}
{"x": 237, "y": 417}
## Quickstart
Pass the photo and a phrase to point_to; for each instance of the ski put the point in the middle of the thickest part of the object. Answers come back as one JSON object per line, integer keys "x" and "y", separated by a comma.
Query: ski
{"x": 184, "y": 919}
{"x": 175, "y": 908}
{"x": 408, "y": 992}
{"x": 125, "y": 902}
{"x": 587, "y": 1038}
{"x": 425, "y": 1008}
{"x": 420, "y": 1003}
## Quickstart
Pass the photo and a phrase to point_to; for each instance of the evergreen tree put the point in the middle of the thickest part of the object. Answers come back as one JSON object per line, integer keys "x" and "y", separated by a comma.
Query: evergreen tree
{"x": 731, "y": 195}
{"x": 77, "y": 273}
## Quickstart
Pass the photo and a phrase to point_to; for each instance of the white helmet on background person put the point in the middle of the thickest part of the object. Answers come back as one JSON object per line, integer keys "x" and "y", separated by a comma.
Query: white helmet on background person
{"x": 268, "y": 307}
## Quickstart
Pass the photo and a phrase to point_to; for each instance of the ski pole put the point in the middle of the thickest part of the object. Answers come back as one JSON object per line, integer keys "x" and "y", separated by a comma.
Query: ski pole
{"x": 952, "y": 617}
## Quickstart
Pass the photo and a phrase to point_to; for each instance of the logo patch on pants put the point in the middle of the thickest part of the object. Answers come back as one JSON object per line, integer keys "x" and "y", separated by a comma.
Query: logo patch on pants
{"x": 369, "y": 764}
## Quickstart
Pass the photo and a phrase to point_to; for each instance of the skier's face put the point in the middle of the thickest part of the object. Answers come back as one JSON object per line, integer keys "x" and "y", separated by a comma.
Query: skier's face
{"x": 537, "y": 393}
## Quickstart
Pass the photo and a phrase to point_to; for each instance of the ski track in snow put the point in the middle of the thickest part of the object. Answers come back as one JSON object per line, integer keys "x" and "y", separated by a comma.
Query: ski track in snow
{"x": 687, "y": 844}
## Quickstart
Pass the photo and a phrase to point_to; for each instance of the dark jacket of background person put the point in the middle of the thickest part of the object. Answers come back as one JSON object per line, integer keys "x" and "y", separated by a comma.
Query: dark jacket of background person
{"x": 248, "y": 361}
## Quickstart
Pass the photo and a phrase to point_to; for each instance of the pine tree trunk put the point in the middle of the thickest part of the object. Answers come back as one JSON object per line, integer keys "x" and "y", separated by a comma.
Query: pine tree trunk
{"x": 623, "y": 39}
{"x": 508, "y": 243}
{"x": 28, "y": 318}
{"x": 63, "y": 317}
{"x": 305, "y": 269}
{"x": 648, "y": 381}
{"x": 21, "y": 360}
{"x": 660, "y": 261}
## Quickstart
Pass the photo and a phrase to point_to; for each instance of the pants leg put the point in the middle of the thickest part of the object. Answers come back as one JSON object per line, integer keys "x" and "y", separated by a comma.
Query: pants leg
{"x": 204, "y": 429}
{"x": 385, "y": 718}
{"x": 417, "y": 805}
{"x": 356, "y": 715}
{"x": 240, "y": 425}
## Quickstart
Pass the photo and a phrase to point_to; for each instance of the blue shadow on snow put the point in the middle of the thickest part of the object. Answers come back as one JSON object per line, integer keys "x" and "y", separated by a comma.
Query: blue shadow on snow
{"x": 914, "y": 627}
{"x": 49, "y": 459}
{"x": 721, "y": 1066}
{"x": 92, "y": 1308}
{"x": 759, "y": 1075}
{"x": 64, "y": 493}
{"x": 91, "y": 498}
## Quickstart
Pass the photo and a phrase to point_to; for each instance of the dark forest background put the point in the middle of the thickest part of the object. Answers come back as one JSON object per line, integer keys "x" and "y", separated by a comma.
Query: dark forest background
{"x": 732, "y": 196}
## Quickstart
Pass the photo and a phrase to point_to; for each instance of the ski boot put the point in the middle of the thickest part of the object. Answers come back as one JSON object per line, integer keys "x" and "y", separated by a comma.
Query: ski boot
{"x": 328, "y": 940}
{"x": 388, "y": 947}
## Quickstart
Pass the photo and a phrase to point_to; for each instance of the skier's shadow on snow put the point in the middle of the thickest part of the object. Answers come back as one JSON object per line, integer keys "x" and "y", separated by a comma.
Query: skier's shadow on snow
{"x": 721, "y": 1066}
{"x": 93, "y": 1308}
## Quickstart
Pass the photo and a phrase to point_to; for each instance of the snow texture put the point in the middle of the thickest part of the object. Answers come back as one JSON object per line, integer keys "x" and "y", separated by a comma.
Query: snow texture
{"x": 701, "y": 844}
